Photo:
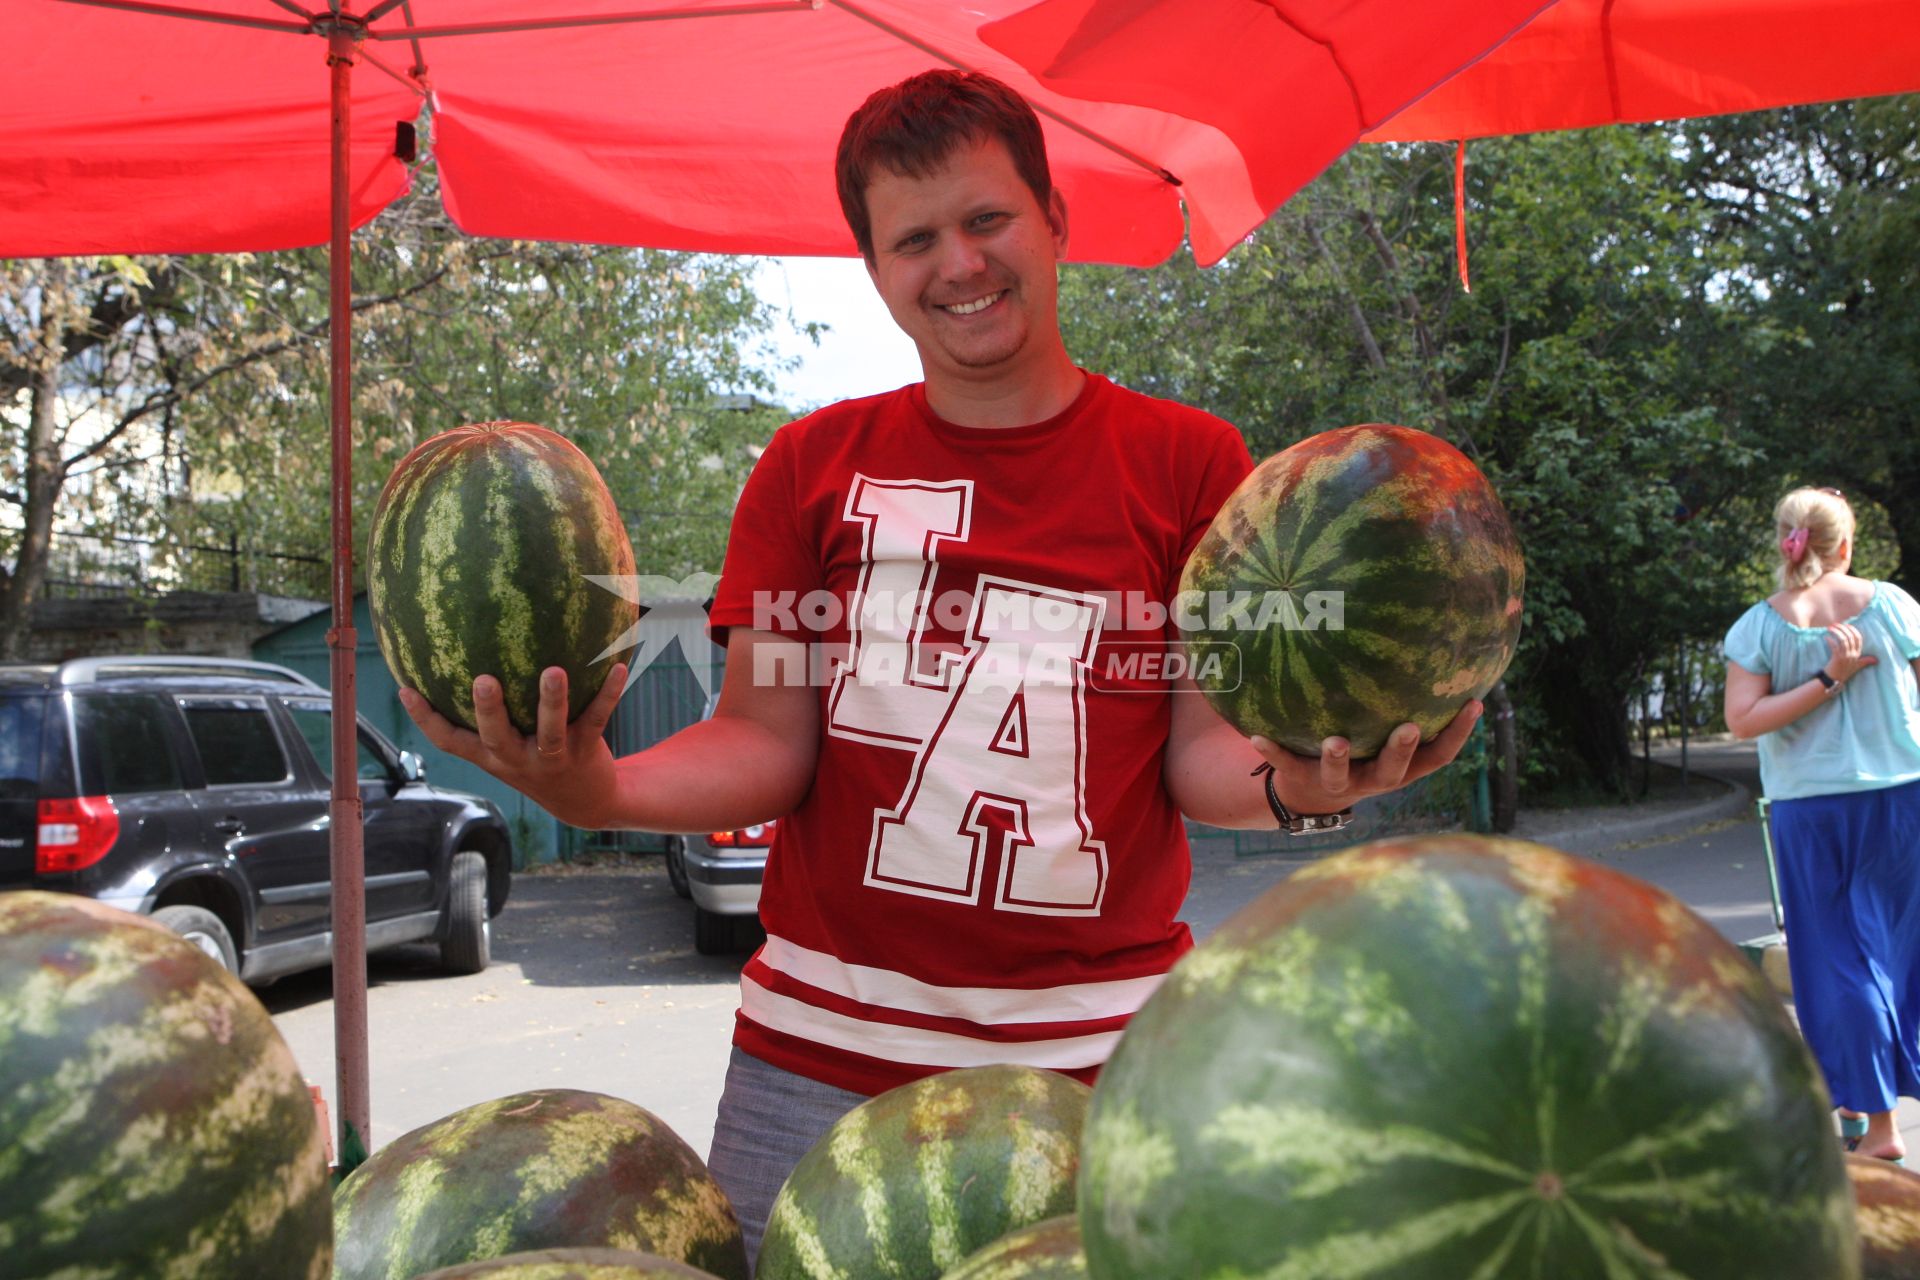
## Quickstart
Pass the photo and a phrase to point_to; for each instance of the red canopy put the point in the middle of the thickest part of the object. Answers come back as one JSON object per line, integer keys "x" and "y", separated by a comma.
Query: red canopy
{"x": 1241, "y": 65}
{"x": 1595, "y": 62}
{"x": 1293, "y": 84}
{"x": 711, "y": 128}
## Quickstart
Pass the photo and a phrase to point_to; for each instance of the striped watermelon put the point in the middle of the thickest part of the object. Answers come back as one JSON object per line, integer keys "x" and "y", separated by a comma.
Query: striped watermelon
{"x": 909, "y": 1183}
{"x": 548, "y": 1169}
{"x": 1464, "y": 1058}
{"x": 153, "y": 1124}
{"x": 1887, "y": 1205}
{"x": 478, "y": 564}
{"x": 1377, "y": 582}
{"x": 572, "y": 1264}
{"x": 1047, "y": 1250}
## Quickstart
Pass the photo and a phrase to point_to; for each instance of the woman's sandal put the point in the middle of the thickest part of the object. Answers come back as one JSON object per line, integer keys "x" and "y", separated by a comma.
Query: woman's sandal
{"x": 1853, "y": 1144}
{"x": 1854, "y": 1127}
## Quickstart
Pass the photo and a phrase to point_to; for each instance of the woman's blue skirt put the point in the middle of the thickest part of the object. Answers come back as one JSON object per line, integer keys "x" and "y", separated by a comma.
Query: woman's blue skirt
{"x": 1849, "y": 870}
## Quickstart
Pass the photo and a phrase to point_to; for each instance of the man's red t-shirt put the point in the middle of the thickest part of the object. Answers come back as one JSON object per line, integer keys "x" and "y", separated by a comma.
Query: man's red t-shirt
{"x": 988, "y": 866}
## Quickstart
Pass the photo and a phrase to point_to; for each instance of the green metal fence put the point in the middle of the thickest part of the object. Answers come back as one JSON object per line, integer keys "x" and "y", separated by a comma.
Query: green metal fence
{"x": 661, "y": 699}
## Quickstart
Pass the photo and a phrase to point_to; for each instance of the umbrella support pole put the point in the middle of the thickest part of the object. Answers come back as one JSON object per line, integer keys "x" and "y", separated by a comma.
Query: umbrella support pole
{"x": 347, "y": 853}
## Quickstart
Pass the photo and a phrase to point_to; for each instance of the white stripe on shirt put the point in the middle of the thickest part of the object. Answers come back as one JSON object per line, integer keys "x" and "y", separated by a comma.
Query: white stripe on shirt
{"x": 915, "y": 1045}
{"x": 990, "y": 1006}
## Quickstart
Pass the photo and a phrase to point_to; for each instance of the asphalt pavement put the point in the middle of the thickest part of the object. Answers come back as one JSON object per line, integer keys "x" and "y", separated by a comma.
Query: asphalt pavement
{"x": 595, "y": 984}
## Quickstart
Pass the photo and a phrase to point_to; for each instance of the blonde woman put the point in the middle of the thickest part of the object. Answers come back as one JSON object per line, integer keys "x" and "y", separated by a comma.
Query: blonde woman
{"x": 1826, "y": 674}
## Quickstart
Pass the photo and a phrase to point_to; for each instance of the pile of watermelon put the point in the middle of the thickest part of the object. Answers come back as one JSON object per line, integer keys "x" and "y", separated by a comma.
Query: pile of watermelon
{"x": 1445, "y": 1056}
{"x": 1448, "y": 1057}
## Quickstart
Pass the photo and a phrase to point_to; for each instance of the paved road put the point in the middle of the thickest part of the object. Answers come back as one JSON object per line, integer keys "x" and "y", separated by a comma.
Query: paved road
{"x": 595, "y": 984}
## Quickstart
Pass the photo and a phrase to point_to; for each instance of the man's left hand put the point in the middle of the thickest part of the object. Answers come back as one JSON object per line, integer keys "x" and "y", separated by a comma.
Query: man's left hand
{"x": 1334, "y": 782}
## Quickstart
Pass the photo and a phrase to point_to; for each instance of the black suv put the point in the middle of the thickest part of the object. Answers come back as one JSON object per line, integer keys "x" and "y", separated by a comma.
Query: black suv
{"x": 197, "y": 790}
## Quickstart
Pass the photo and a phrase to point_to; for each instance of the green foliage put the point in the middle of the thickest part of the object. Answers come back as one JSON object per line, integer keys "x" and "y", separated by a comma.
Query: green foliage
{"x": 1823, "y": 203}
{"x": 184, "y": 401}
{"x": 637, "y": 356}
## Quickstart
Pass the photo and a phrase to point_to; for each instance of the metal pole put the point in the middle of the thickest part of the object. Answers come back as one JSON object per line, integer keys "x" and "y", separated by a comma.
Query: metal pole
{"x": 348, "y": 855}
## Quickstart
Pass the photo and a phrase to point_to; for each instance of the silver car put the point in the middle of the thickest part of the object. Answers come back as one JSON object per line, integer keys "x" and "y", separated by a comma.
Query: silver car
{"x": 721, "y": 872}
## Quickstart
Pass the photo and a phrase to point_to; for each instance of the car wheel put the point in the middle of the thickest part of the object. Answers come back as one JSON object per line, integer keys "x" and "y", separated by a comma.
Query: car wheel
{"x": 677, "y": 865}
{"x": 204, "y": 930}
{"x": 468, "y": 946}
{"x": 718, "y": 935}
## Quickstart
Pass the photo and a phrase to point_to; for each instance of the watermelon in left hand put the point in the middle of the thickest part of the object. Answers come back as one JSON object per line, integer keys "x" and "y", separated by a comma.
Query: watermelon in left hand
{"x": 1378, "y": 582}
{"x": 484, "y": 543}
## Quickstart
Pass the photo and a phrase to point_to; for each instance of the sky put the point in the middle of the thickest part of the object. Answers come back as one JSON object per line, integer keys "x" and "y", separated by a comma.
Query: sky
{"x": 864, "y": 353}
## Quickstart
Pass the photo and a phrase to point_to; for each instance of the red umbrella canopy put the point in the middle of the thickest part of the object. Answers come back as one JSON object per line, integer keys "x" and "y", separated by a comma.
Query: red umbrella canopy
{"x": 1578, "y": 63}
{"x": 1294, "y": 83}
{"x": 689, "y": 124}
{"x": 1595, "y": 62}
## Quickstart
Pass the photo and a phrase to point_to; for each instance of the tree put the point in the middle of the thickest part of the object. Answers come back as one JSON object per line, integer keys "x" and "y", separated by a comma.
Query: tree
{"x": 1823, "y": 203}
{"x": 83, "y": 404}
{"x": 185, "y": 399}
{"x": 644, "y": 359}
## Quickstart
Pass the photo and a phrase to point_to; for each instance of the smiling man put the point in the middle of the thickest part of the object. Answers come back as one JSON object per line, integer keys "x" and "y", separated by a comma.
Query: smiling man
{"x": 982, "y": 855}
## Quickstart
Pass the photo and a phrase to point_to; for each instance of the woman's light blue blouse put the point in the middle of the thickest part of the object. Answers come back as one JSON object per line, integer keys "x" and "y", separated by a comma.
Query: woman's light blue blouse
{"x": 1867, "y": 734}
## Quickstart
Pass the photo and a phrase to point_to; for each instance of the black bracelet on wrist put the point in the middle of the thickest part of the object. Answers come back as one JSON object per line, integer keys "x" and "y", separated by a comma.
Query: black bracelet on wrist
{"x": 1827, "y": 682}
{"x": 1300, "y": 824}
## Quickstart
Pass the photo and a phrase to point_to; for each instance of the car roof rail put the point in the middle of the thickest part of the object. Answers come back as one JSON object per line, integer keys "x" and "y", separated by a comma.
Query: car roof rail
{"x": 135, "y": 666}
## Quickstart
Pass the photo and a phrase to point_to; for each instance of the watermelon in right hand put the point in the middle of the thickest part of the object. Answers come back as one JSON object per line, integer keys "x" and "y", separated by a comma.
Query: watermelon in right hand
{"x": 485, "y": 544}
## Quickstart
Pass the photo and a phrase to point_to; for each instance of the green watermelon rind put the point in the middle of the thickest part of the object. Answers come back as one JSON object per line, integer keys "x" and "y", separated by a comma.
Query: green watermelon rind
{"x": 911, "y": 1182}
{"x": 478, "y": 563}
{"x": 544, "y": 1169}
{"x": 154, "y": 1125}
{"x": 572, "y": 1264}
{"x": 1470, "y": 1058}
{"x": 1419, "y": 547}
{"x": 1887, "y": 1209}
{"x": 1048, "y": 1250}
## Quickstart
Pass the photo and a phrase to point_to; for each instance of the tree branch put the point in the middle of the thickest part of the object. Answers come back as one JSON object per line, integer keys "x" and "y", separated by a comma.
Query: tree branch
{"x": 175, "y": 393}
{"x": 1359, "y": 317}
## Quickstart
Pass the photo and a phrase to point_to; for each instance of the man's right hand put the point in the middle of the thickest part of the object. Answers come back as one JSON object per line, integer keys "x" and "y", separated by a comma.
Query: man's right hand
{"x": 565, "y": 768}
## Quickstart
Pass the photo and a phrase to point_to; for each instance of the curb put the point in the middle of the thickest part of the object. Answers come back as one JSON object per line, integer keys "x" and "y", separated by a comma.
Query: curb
{"x": 1604, "y": 834}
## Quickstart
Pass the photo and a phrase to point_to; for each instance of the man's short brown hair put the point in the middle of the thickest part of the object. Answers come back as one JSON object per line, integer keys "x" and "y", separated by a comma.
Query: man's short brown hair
{"x": 914, "y": 127}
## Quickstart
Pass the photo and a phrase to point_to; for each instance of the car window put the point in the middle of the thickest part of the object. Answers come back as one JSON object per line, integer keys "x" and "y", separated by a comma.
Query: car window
{"x": 236, "y": 742}
{"x": 315, "y": 723}
{"x": 20, "y": 718}
{"x": 124, "y": 748}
